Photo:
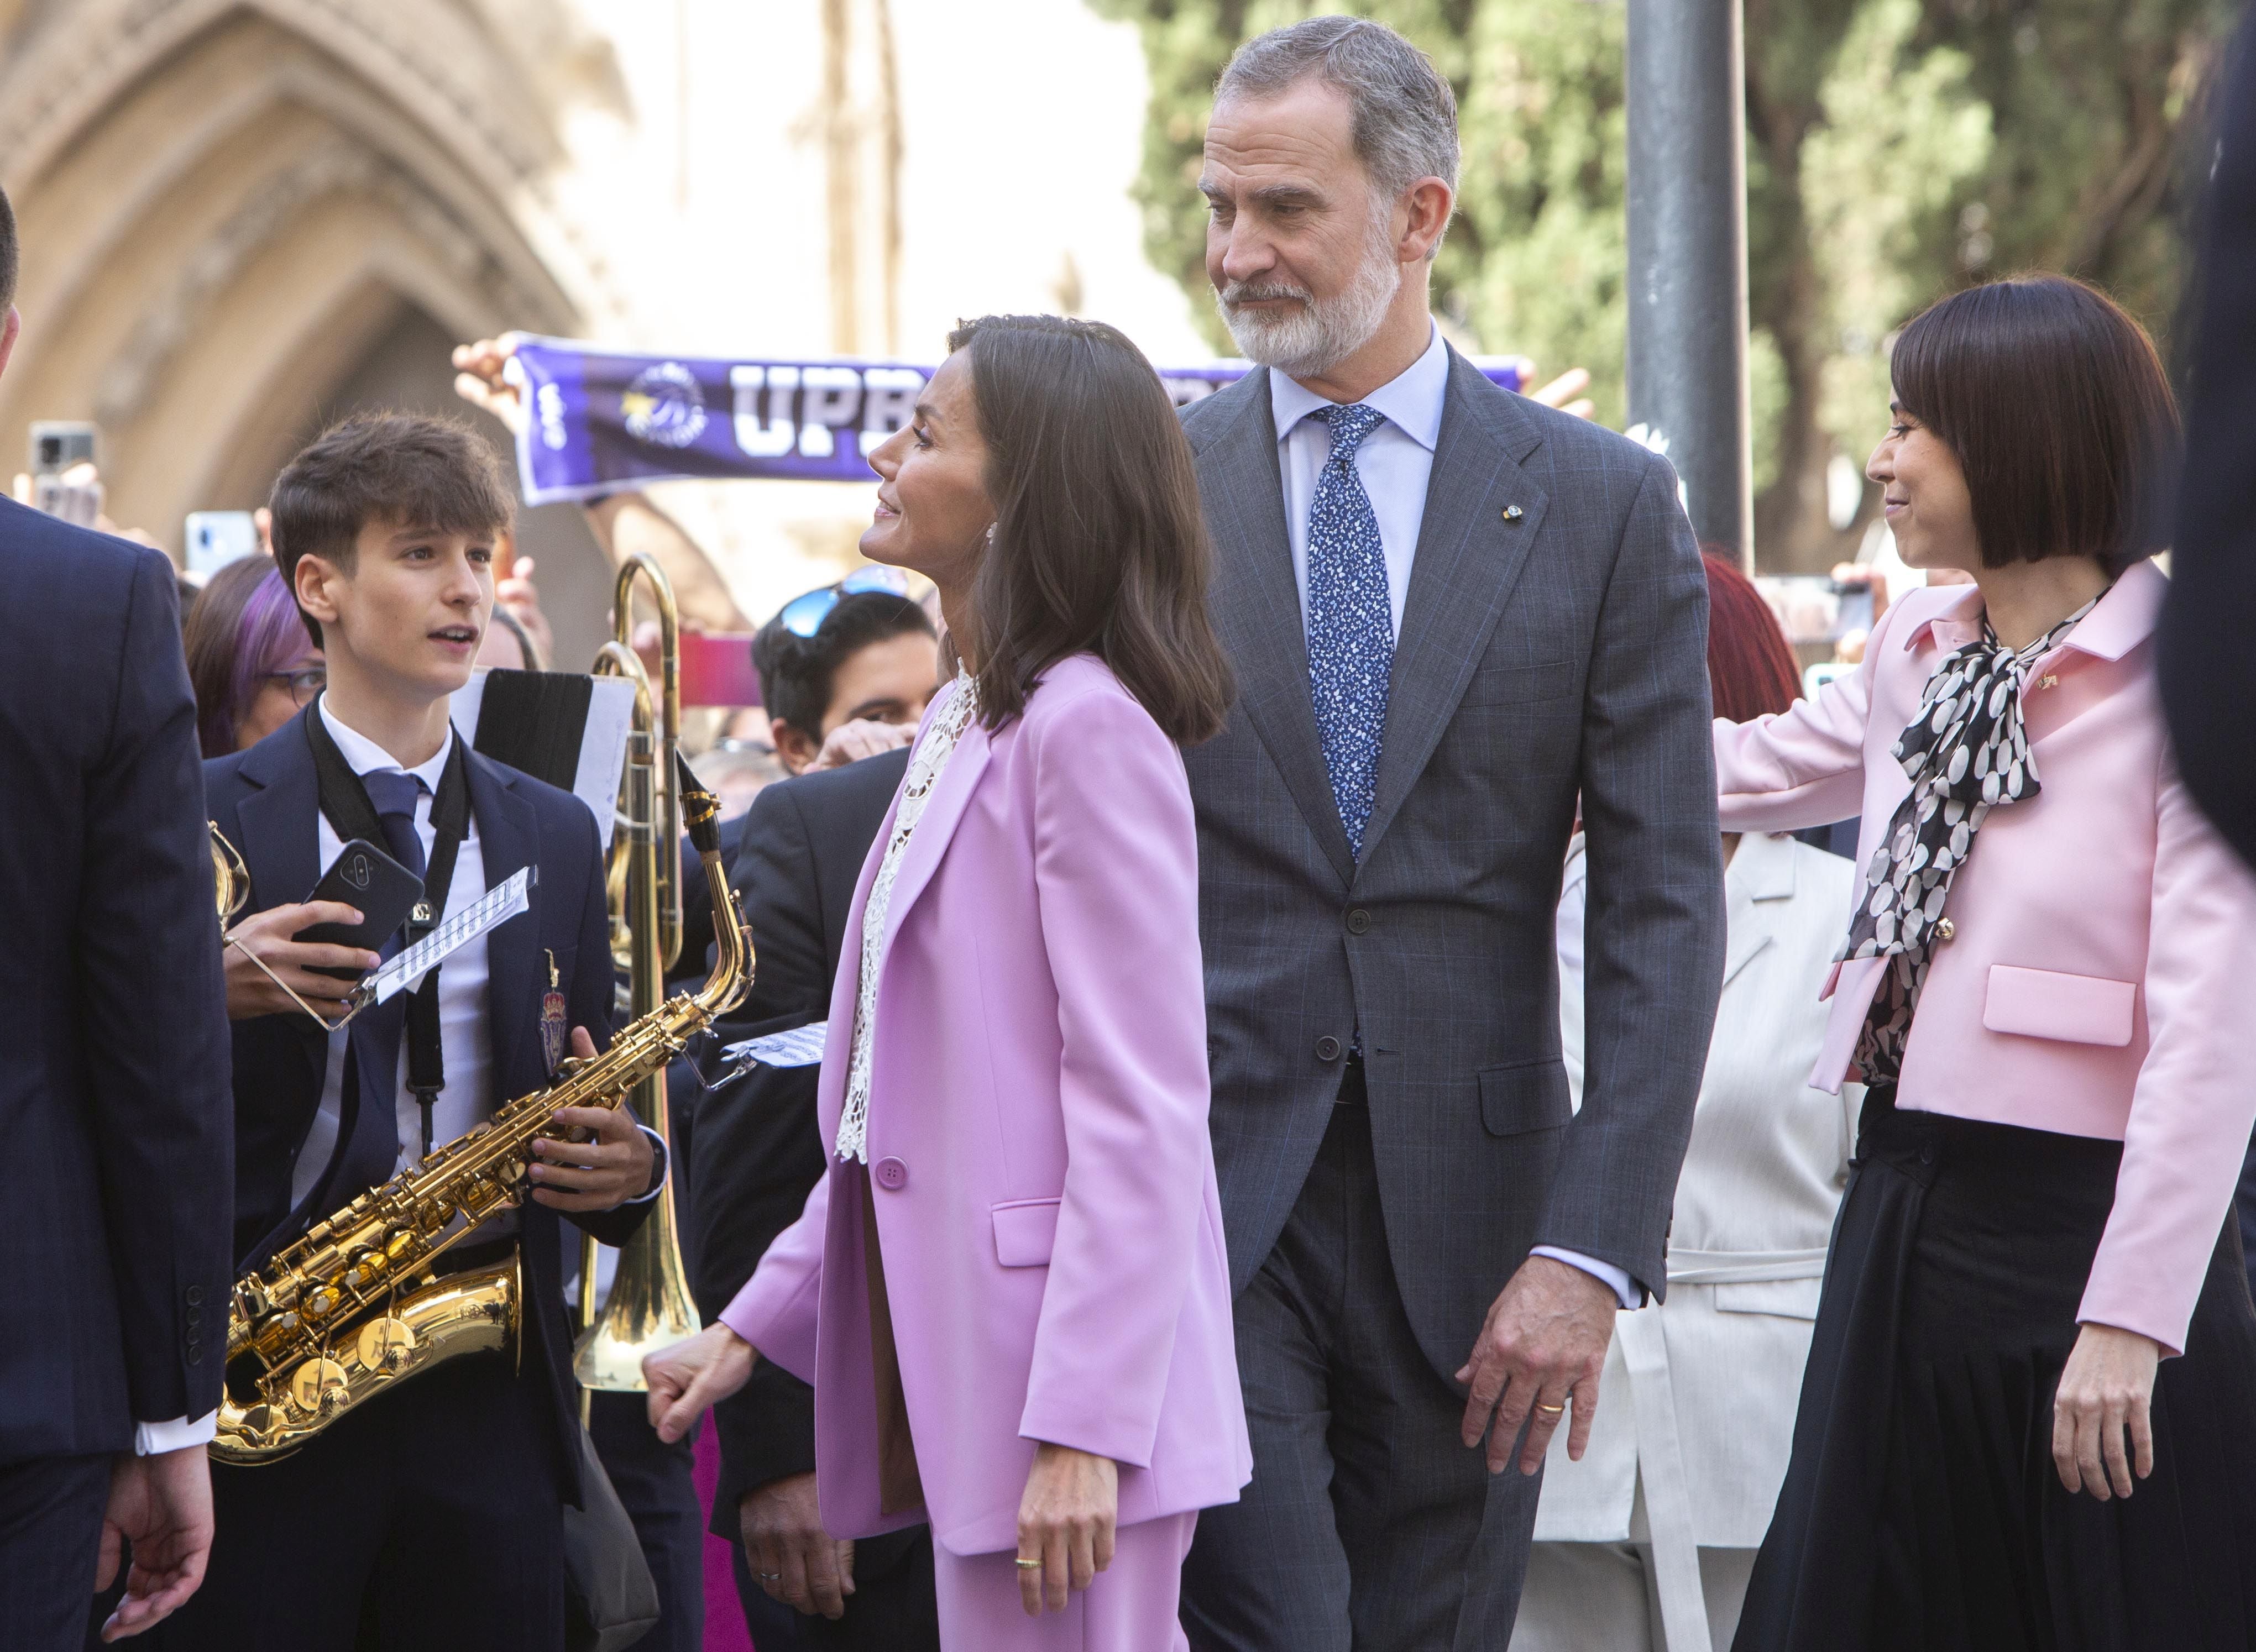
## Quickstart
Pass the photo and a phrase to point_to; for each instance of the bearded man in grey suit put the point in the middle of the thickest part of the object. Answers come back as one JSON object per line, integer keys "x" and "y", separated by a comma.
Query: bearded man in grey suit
{"x": 1451, "y": 612}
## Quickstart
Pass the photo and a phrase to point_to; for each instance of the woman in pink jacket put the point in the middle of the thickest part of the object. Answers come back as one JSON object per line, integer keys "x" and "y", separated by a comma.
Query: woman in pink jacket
{"x": 2028, "y": 1418}
{"x": 1009, "y": 1291}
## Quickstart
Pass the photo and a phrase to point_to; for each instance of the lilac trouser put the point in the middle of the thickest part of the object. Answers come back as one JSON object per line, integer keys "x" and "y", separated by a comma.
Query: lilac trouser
{"x": 1130, "y": 1607}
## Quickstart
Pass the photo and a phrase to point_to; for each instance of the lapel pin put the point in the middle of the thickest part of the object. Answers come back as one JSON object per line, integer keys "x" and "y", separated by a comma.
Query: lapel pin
{"x": 1512, "y": 513}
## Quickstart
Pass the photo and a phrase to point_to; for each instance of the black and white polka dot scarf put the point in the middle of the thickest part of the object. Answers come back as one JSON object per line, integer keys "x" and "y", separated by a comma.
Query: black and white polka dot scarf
{"x": 1967, "y": 753}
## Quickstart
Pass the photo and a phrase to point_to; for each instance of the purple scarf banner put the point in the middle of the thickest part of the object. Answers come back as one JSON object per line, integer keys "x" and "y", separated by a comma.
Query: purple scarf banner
{"x": 602, "y": 420}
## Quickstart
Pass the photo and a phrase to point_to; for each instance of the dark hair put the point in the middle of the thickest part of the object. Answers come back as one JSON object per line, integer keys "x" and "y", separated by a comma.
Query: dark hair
{"x": 2058, "y": 409}
{"x": 423, "y": 472}
{"x": 10, "y": 252}
{"x": 1098, "y": 544}
{"x": 244, "y": 626}
{"x": 1751, "y": 672}
{"x": 797, "y": 674}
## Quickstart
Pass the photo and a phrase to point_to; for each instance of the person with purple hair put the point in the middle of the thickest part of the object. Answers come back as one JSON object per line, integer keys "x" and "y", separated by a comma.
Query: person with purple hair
{"x": 251, "y": 660}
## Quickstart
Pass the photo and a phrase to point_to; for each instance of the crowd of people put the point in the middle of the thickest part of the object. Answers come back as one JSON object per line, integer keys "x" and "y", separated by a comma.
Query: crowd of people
{"x": 1355, "y": 1111}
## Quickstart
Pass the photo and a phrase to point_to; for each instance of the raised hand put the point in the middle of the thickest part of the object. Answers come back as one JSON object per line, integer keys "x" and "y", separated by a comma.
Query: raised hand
{"x": 478, "y": 380}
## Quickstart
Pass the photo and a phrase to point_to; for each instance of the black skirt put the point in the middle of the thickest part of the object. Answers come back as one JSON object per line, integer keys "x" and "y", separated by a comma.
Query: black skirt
{"x": 1922, "y": 1511}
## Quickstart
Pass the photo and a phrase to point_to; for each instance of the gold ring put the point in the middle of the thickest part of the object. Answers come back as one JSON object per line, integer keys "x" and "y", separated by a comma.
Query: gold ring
{"x": 1551, "y": 1411}
{"x": 1030, "y": 1566}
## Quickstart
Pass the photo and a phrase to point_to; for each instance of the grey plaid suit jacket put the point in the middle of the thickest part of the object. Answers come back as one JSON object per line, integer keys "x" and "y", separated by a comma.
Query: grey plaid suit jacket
{"x": 1558, "y": 652}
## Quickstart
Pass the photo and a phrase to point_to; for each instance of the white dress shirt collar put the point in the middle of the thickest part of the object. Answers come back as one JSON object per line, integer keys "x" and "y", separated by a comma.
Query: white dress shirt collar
{"x": 364, "y": 756}
{"x": 1411, "y": 401}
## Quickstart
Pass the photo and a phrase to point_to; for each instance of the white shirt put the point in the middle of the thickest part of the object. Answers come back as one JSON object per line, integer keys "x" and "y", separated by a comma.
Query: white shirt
{"x": 465, "y": 1031}
{"x": 1394, "y": 463}
{"x": 924, "y": 770}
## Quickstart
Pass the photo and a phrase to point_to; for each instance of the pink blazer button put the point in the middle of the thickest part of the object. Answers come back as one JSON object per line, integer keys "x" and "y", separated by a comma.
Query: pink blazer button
{"x": 892, "y": 1175}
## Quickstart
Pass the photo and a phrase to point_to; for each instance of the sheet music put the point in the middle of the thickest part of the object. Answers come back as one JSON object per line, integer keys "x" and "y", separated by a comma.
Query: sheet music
{"x": 798, "y": 1047}
{"x": 495, "y": 906}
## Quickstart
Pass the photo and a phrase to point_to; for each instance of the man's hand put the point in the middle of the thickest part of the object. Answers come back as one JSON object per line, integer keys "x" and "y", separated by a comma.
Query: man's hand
{"x": 1540, "y": 1352}
{"x": 162, "y": 1506}
{"x": 790, "y": 1556}
{"x": 2106, "y": 1392}
{"x": 1065, "y": 1521}
{"x": 266, "y": 936}
{"x": 688, "y": 1378}
{"x": 850, "y": 742}
{"x": 478, "y": 380}
{"x": 598, "y": 1174}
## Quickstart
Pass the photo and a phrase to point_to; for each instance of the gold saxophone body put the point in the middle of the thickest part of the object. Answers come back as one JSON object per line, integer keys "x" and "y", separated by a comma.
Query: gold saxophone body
{"x": 355, "y": 1308}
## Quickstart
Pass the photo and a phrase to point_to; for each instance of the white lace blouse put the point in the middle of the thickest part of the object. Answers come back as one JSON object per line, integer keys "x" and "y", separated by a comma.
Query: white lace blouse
{"x": 924, "y": 770}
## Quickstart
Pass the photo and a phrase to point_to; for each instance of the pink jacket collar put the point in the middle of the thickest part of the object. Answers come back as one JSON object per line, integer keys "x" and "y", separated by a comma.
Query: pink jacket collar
{"x": 2125, "y": 618}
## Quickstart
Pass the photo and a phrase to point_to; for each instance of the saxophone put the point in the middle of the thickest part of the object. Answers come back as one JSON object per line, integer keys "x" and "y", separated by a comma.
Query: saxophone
{"x": 355, "y": 1308}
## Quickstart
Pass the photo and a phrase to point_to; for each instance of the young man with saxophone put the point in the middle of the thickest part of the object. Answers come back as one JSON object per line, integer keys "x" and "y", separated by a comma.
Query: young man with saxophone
{"x": 428, "y": 1513}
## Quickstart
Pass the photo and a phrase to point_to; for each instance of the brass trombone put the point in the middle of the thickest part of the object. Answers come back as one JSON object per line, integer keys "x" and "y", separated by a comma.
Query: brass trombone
{"x": 650, "y": 1305}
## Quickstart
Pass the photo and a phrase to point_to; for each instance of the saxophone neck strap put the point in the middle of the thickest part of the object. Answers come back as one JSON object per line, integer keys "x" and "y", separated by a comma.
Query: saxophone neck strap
{"x": 344, "y": 799}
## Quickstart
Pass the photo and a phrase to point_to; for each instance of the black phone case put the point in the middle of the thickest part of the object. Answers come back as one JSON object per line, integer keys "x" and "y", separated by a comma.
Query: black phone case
{"x": 384, "y": 891}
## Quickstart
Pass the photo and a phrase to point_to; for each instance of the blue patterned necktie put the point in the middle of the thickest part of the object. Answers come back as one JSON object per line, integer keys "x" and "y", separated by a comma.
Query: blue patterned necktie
{"x": 1351, "y": 621}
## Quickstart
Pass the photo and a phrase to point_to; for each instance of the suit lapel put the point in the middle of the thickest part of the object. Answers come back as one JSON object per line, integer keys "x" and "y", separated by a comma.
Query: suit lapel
{"x": 1758, "y": 894}
{"x": 1468, "y": 558}
{"x": 509, "y": 838}
{"x": 944, "y": 810}
{"x": 1256, "y": 605}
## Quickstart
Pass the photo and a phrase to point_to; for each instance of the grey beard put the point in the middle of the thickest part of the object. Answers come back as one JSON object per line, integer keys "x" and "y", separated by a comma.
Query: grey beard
{"x": 1312, "y": 339}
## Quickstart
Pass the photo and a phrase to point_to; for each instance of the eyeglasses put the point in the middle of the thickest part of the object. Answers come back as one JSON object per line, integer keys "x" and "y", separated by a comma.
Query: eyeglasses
{"x": 303, "y": 684}
{"x": 803, "y": 615}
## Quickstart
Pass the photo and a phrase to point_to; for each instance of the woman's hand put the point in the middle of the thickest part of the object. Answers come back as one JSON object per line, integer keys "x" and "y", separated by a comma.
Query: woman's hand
{"x": 1066, "y": 1523}
{"x": 266, "y": 937}
{"x": 686, "y": 1379}
{"x": 2106, "y": 1390}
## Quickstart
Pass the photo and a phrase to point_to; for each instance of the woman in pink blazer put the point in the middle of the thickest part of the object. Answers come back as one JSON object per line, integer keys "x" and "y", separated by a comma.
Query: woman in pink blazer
{"x": 2028, "y": 1419}
{"x": 1009, "y": 1291}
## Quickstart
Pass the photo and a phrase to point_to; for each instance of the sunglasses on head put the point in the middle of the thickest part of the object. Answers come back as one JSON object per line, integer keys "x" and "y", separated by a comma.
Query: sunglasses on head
{"x": 804, "y": 615}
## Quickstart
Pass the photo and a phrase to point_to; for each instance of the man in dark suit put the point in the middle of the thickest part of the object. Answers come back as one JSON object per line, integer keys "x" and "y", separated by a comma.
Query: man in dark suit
{"x": 114, "y": 1190}
{"x": 2207, "y": 665}
{"x": 429, "y": 1514}
{"x": 1451, "y": 612}
{"x": 759, "y": 1153}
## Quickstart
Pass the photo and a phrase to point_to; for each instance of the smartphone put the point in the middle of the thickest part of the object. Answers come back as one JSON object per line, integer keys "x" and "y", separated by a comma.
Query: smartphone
{"x": 217, "y": 537}
{"x": 384, "y": 891}
{"x": 57, "y": 444}
{"x": 716, "y": 669}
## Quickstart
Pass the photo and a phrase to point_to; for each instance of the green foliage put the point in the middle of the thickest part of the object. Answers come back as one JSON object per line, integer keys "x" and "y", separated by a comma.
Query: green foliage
{"x": 1896, "y": 148}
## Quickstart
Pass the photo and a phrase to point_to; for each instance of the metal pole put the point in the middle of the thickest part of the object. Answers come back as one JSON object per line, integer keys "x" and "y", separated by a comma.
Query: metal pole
{"x": 1687, "y": 256}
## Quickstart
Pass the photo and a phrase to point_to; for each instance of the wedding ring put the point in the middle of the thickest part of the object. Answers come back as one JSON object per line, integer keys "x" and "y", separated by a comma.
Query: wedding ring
{"x": 1551, "y": 1411}
{"x": 1030, "y": 1566}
